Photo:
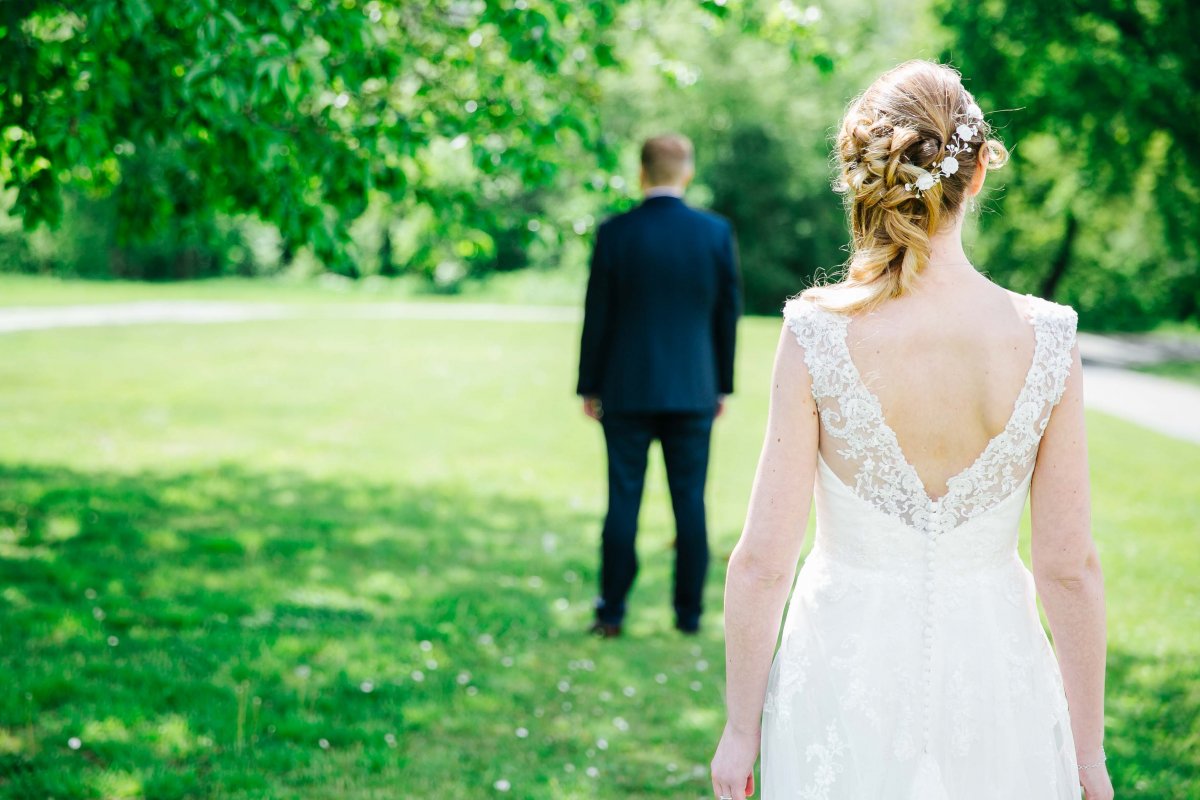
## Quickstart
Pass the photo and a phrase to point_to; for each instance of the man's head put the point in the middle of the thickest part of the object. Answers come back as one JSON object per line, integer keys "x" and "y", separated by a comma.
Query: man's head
{"x": 667, "y": 160}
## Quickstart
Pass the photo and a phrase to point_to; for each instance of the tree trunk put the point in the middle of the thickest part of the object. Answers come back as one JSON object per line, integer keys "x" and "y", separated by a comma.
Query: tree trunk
{"x": 387, "y": 265}
{"x": 1058, "y": 267}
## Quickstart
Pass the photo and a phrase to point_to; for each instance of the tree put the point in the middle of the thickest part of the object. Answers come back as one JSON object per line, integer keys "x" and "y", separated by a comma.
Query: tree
{"x": 1114, "y": 85}
{"x": 760, "y": 107}
{"x": 295, "y": 111}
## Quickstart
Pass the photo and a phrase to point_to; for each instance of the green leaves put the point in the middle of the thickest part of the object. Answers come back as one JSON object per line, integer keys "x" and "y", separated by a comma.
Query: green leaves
{"x": 291, "y": 112}
{"x": 138, "y": 12}
{"x": 1115, "y": 85}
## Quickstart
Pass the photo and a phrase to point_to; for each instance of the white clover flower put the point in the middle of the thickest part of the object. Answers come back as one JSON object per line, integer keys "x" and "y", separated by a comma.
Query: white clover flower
{"x": 974, "y": 112}
{"x": 925, "y": 181}
{"x": 965, "y": 132}
{"x": 949, "y": 165}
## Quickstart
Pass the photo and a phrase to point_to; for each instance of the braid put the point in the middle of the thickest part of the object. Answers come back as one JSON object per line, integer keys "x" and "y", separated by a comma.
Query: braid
{"x": 890, "y": 136}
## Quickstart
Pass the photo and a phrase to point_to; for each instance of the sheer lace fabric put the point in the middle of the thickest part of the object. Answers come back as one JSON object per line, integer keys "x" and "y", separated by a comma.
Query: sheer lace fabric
{"x": 913, "y": 664}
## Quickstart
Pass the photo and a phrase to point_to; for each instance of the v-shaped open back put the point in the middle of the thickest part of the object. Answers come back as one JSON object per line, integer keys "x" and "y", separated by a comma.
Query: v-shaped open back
{"x": 1035, "y": 322}
{"x": 883, "y": 476}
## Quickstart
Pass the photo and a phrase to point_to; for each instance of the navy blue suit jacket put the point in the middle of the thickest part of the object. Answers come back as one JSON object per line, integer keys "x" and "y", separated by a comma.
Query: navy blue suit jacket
{"x": 663, "y": 301}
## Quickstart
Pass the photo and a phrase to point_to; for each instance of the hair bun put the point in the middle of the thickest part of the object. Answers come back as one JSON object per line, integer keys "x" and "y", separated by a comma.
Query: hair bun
{"x": 894, "y": 136}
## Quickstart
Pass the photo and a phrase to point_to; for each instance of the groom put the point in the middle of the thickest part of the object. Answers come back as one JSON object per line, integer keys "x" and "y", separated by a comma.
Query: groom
{"x": 656, "y": 362}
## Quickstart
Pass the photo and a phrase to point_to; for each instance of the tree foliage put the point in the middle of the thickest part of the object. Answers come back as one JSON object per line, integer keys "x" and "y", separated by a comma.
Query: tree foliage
{"x": 761, "y": 110}
{"x": 1105, "y": 98}
{"x": 295, "y": 111}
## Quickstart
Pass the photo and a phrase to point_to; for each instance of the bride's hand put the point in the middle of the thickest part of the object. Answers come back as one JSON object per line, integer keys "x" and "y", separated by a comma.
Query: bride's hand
{"x": 1096, "y": 784}
{"x": 733, "y": 764}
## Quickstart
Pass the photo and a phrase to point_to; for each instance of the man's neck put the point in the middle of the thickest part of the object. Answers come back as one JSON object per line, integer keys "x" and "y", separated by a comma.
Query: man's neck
{"x": 665, "y": 190}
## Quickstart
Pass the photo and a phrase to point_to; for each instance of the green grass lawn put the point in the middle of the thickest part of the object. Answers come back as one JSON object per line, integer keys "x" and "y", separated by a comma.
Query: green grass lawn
{"x": 531, "y": 286}
{"x": 321, "y": 558}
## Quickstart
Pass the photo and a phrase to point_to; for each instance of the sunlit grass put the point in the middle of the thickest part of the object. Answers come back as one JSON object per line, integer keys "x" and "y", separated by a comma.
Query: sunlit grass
{"x": 354, "y": 559}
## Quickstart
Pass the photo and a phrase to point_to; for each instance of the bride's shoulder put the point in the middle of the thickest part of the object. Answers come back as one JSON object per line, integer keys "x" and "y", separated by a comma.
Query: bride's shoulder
{"x": 809, "y": 320}
{"x": 798, "y": 306}
{"x": 1040, "y": 308}
{"x": 804, "y": 307}
{"x": 816, "y": 329}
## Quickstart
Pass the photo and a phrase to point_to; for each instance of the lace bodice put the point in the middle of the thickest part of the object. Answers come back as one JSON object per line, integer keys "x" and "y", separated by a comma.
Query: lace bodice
{"x": 883, "y": 477}
{"x": 912, "y": 663}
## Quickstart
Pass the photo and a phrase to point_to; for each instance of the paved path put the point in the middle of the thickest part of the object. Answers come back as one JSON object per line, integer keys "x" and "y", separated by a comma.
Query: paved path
{"x": 1161, "y": 404}
{"x": 1137, "y": 349}
{"x": 1169, "y": 406}
{"x": 25, "y": 318}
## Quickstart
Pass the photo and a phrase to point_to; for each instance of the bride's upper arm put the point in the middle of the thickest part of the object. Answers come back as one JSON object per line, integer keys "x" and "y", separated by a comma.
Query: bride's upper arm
{"x": 1060, "y": 498}
{"x": 782, "y": 493}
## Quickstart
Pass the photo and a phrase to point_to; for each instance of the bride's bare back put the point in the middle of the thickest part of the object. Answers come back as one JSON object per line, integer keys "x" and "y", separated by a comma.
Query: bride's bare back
{"x": 946, "y": 363}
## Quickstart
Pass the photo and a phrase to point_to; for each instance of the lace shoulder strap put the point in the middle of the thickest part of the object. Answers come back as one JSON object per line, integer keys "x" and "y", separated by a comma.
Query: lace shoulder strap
{"x": 1058, "y": 324}
{"x": 1009, "y": 458}
{"x": 821, "y": 334}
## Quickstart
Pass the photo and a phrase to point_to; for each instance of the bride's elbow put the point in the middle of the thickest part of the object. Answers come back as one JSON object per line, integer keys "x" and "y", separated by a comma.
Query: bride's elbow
{"x": 756, "y": 569}
{"x": 1066, "y": 573}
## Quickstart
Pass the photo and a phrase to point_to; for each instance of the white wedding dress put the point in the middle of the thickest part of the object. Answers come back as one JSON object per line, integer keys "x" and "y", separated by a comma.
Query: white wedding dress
{"x": 913, "y": 664}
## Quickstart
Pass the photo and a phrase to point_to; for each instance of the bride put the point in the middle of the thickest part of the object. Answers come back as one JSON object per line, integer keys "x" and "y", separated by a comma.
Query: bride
{"x": 918, "y": 405}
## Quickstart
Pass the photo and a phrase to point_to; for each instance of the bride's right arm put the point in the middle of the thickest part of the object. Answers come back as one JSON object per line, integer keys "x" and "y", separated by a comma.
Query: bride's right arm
{"x": 1066, "y": 568}
{"x": 763, "y": 563}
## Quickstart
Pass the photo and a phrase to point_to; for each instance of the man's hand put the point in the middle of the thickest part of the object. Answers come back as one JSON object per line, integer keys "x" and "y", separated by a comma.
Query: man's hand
{"x": 592, "y": 407}
{"x": 720, "y": 405}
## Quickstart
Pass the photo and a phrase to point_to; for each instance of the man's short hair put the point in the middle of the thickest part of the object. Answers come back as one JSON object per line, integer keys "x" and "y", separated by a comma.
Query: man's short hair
{"x": 667, "y": 158}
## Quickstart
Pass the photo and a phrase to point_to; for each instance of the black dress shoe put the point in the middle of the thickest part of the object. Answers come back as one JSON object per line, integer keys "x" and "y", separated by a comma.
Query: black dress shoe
{"x": 605, "y": 630}
{"x": 688, "y": 630}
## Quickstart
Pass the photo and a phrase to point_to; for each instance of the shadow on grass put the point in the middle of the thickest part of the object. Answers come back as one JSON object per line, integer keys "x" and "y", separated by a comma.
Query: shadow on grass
{"x": 1153, "y": 711}
{"x": 224, "y": 633}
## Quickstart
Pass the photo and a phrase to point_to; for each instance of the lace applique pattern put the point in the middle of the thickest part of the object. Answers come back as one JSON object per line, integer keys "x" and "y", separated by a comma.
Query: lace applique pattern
{"x": 828, "y": 756}
{"x": 852, "y": 415}
{"x": 793, "y": 674}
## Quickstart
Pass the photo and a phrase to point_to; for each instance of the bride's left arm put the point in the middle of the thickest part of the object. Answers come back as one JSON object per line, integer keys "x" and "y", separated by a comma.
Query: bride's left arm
{"x": 763, "y": 563}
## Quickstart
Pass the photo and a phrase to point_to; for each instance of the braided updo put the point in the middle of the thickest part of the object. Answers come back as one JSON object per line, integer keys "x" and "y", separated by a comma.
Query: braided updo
{"x": 892, "y": 134}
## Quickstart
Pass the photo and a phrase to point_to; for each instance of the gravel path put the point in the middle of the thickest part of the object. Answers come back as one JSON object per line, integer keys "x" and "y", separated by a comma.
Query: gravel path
{"x": 1169, "y": 406}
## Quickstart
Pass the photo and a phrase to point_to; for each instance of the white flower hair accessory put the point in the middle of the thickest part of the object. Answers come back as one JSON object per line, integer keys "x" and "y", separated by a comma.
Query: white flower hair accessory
{"x": 959, "y": 145}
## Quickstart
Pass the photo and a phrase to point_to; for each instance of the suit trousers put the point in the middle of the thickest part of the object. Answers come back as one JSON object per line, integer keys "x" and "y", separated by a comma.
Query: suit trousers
{"x": 685, "y": 438}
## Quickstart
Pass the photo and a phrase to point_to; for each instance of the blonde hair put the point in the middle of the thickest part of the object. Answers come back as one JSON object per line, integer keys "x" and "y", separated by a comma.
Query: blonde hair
{"x": 892, "y": 133}
{"x": 667, "y": 158}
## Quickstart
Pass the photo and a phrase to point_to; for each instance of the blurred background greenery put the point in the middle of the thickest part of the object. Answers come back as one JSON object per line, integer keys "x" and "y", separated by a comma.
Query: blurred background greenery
{"x": 454, "y": 140}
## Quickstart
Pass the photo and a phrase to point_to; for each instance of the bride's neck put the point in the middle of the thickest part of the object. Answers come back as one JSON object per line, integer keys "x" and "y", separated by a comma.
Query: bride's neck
{"x": 946, "y": 253}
